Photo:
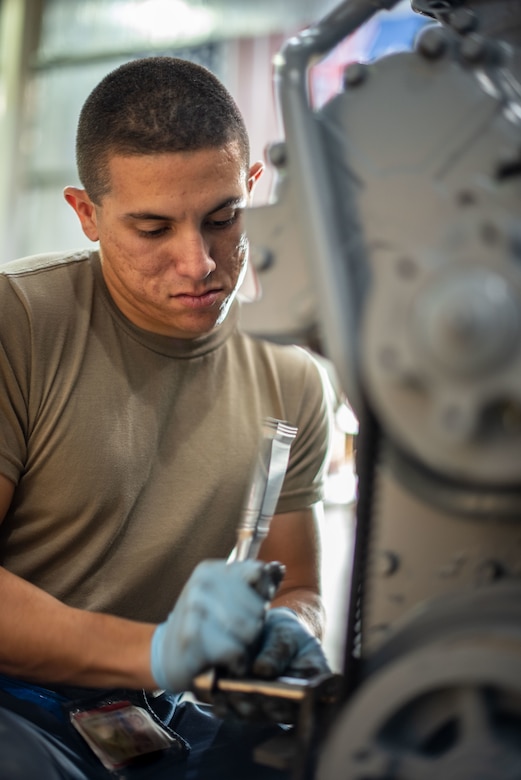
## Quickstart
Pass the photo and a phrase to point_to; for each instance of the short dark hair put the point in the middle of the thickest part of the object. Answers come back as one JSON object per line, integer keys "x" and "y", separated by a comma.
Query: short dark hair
{"x": 154, "y": 105}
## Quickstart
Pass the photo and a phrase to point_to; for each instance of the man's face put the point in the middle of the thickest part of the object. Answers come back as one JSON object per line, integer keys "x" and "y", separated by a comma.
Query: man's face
{"x": 171, "y": 236}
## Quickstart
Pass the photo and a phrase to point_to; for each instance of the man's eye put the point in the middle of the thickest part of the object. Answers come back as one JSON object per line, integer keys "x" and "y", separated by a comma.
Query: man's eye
{"x": 224, "y": 223}
{"x": 152, "y": 233}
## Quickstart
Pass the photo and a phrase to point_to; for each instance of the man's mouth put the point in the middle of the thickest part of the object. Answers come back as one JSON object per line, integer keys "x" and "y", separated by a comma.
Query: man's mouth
{"x": 199, "y": 300}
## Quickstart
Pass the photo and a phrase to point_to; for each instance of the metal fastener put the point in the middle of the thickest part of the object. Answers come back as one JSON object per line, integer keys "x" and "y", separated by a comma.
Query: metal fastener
{"x": 474, "y": 49}
{"x": 277, "y": 154}
{"x": 432, "y": 43}
{"x": 355, "y": 74}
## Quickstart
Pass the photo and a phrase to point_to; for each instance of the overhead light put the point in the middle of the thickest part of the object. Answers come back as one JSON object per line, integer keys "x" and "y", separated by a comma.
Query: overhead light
{"x": 165, "y": 20}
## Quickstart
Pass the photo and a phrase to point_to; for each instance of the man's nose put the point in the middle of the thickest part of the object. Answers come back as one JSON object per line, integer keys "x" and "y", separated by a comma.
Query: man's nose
{"x": 192, "y": 255}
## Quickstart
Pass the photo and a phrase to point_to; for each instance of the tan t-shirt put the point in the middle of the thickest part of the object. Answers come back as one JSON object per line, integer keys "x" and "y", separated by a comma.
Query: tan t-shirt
{"x": 132, "y": 452}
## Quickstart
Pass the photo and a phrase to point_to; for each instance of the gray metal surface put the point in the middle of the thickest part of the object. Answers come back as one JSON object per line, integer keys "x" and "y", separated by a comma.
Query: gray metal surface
{"x": 440, "y": 344}
{"x": 445, "y": 704}
{"x": 419, "y": 553}
{"x": 265, "y": 487}
{"x": 405, "y": 198}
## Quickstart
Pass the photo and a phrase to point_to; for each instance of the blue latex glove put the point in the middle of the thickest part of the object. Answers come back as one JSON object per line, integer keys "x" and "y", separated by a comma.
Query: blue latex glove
{"x": 288, "y": 648}
{"x": 216, "y": 618}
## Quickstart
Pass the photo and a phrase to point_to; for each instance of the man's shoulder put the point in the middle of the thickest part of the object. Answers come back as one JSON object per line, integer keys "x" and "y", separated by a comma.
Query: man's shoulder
{"x": 291, "y": 355}
{"x": 37, "y": 264}
{"x": 47, "y": 287}
{"x": 291, "y": 363}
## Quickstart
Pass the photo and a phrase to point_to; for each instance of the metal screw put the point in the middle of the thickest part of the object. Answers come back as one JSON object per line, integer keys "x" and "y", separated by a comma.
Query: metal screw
{"x": 387, "y": 563}
{"x": 474, "y": 49}
{"x": 355, "y": 74}
{"x": 432, "y": 44}
{"x": 277, "y": 154}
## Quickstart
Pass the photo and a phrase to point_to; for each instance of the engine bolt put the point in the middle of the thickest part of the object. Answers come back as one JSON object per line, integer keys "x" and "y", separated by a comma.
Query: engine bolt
{"x": 474, "y": 49}
{"x": 387, "y": 563}
{"x": 355, "y": 74}
{"x": 277, "y": 155}
{"x": 432, "y": 43}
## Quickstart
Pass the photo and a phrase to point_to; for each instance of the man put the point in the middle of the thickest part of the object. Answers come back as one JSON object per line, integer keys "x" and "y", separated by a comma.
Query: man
{"x": 130, "y": 410}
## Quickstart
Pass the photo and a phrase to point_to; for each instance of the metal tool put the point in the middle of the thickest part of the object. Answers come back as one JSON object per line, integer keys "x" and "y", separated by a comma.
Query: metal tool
{"x": 265, "y": 488}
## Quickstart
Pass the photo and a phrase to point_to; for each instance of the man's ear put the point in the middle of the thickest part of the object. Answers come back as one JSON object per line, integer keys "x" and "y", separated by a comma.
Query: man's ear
{"x": 254, "y": 175}
{"x": 85, "y": 209}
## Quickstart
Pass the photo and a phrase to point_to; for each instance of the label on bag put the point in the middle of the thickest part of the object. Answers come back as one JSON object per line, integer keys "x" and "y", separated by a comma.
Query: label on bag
{"x": 120, "y": 733}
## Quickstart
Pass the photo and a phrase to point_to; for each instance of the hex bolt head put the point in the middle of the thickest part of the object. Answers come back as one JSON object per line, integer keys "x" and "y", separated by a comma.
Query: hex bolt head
{"x": 474, "y": 49}
{"x": 432, "y": 43}
{"x": 355, "y": 74}
{"x": 277, "y": 154}
{"x": 387, "y": 563}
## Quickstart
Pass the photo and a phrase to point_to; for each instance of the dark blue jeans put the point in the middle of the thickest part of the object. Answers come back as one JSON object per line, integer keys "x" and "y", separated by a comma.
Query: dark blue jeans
{"x": 38, "y": 743}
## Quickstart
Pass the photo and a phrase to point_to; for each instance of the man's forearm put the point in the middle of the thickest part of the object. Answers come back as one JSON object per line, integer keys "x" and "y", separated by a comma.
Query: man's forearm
{"x": 47, "y": 642}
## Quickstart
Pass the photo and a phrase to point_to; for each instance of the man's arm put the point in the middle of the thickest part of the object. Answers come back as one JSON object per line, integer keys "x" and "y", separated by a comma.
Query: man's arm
{"x": 47, "y": 641}
{"x": 216, "y": 618}
{"x": 294, "y": 540}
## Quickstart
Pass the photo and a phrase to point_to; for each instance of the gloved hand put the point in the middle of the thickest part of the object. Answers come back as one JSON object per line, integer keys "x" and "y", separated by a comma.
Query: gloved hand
{"x": 288, "y": 648}
{"x": 217, "y": 617}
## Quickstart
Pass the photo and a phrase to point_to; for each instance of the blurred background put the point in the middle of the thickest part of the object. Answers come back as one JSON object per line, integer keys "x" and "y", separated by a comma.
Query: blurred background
{"x": 53, "y": 52}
